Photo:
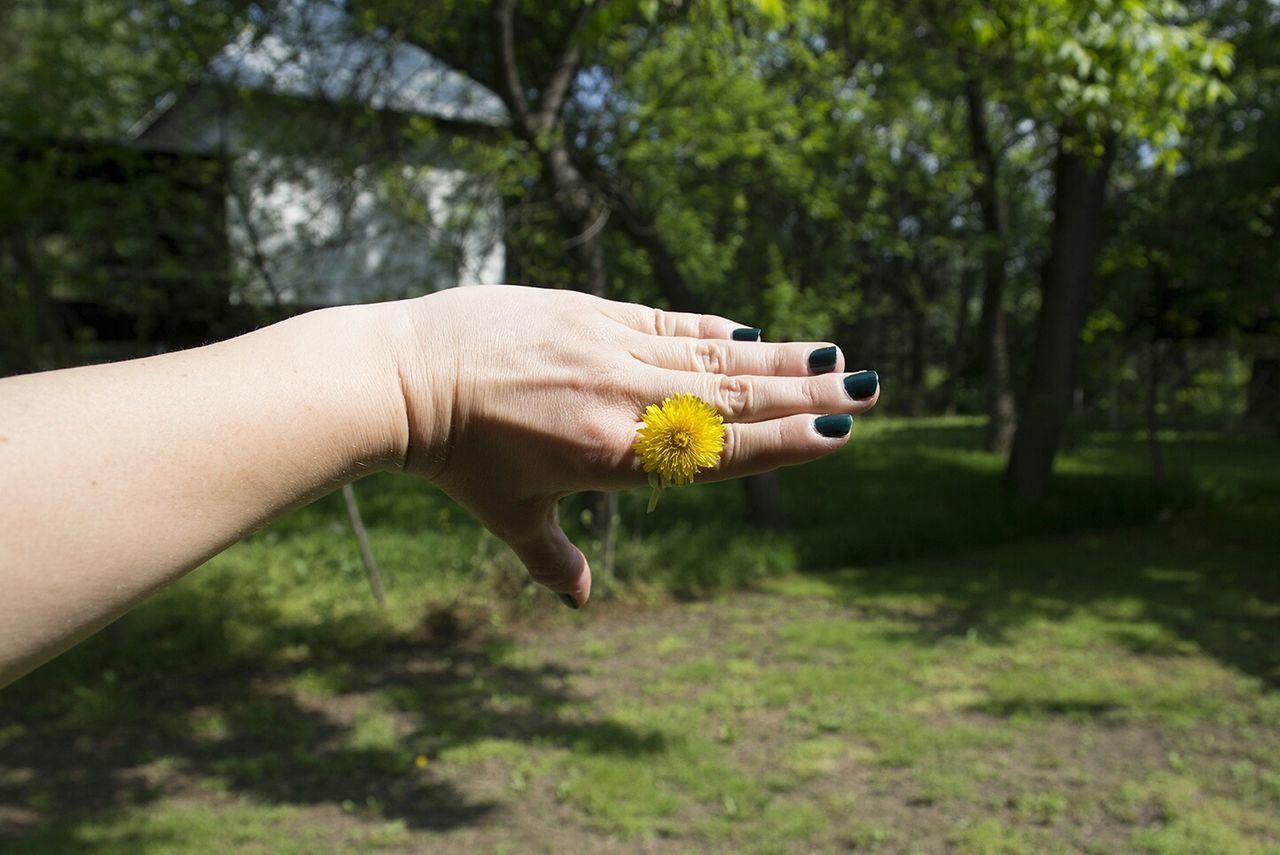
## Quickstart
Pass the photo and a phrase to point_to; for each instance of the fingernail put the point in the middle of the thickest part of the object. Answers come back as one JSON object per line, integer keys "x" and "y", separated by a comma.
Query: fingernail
{"x": 746, "y": 334}
{"x": 861, "y": 385}
{"x": 834, "y": 427}
{"x": 568, "y": 600}
{"x": 823, "y": 360}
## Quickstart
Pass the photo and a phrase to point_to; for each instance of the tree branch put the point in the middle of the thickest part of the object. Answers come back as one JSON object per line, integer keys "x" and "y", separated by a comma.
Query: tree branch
{"x": 510, "y": 89}
{"x": 640, "y": 227}
{"x": 551, "y": 101}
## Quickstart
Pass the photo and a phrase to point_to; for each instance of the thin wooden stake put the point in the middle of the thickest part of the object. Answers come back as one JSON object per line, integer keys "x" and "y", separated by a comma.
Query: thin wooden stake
{"x": 362, "y": 538}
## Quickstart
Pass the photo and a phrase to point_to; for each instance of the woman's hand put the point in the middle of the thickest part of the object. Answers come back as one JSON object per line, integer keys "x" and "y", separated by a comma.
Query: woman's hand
{"x": 516, "y": 397}
{"x": 122, "y": 477}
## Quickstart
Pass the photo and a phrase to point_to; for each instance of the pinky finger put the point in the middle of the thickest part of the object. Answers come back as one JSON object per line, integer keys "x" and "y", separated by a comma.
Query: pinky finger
{"x": 756, "y": 447}
{"x": 679, "y": 324}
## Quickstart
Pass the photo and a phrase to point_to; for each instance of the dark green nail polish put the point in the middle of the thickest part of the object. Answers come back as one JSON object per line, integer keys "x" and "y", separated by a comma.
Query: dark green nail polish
{"x": 823, "y": 360}
{"x": 834, "y": 427}
{"x": 746, "y": 334}
{"x": 568, "y": 600}
{"x": 862, "y": 385}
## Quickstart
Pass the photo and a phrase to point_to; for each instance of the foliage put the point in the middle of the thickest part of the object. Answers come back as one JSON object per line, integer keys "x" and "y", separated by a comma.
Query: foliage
{"x": 804, "y": 167}
{"x": 76, "y": 206}
{"x": 90, "y": 69}
{"x": 1107, "y": 69}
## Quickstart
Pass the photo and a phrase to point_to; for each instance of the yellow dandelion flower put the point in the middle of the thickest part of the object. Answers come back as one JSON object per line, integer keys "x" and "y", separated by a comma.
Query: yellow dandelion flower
{"x": 679, "y": 438}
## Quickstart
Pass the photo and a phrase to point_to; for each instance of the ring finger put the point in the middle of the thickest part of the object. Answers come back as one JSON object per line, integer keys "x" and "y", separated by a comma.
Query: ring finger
{"x": 752, "y": 398}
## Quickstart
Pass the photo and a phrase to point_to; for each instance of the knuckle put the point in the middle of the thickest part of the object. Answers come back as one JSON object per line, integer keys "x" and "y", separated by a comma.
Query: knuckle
{"x": 598, "y": 331}
{"x": 610, "y": 381}
{"x": 772, "y": 445}
{"x": 734, "y": 396}
{"x": 544, "y": 575}
{"x": 814, "y": 396}
{"x": 732, "y": 447}
{"x": 708, "y": 357}
{"x": 780, "y": 361}
{"x": 606, "y": 452}
{"x": 659, "y": 322}
{"x": 597, "y": 446}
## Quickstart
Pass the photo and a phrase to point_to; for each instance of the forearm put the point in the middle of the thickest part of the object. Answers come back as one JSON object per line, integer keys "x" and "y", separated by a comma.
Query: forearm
{"x": 117, "y": 479}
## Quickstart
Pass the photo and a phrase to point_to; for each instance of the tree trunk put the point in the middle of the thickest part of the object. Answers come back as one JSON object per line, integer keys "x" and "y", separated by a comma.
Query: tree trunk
{"x": 1080, "y": 189}
{"x": 1228, "y": 395}
{"x": 1263, "y": 406}
{"x": 958, "y": 359}
{"x": 1153, "y": 414}
{"x": 589, "y": 250}
{"x": 47, "y": 345}
{"x": 916, "y": 359}
{"x": 1113, "y": 410}
{"x": 1001, "y": 412}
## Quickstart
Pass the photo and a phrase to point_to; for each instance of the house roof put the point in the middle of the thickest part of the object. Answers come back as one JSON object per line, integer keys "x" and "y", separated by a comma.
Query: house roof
{"x": 307, "y": 49}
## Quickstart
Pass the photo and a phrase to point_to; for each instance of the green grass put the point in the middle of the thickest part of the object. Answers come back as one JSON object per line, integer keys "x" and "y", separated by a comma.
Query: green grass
{"x": 1099, "y": 672}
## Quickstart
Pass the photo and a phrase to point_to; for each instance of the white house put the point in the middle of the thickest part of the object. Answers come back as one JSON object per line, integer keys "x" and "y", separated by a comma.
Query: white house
{"x": 336, "y": 194}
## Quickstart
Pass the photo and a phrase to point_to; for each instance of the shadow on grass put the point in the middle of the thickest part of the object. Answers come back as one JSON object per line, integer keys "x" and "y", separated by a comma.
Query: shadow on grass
{"x": 1204, "y": 581}
{"x": 347, "y": 730}
{"x": 904, "y": 490}
{"x": 1209, "y": 574}
{"x": 899, "y": 491}
{"x": 912, "y": 492}
{"x": 1034, "y": 707}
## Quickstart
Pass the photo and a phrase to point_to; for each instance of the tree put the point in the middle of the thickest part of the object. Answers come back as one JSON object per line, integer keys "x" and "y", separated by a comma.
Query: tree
{"x": 1192, "y": 259}
{"x": 993, "y": 203}
{"x": 1104, "y": 75}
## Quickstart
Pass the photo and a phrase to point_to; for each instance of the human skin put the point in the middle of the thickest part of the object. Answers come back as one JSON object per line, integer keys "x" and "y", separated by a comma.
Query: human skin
{"x": 120, "y": 478}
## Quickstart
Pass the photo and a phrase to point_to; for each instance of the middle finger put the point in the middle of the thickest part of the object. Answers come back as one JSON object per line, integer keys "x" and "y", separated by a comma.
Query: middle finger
{"x": 712, "y": 356}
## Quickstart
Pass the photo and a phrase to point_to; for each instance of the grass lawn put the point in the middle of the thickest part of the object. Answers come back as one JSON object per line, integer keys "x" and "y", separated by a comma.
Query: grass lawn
{"x": 919, "y": 664}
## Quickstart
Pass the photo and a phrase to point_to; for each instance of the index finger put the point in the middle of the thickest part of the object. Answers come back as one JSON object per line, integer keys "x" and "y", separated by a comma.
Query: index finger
{"x": 678, "y": 324}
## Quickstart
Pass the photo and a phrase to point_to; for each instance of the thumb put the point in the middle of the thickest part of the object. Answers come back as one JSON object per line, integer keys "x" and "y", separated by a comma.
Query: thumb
{"x": 551, "y": 558}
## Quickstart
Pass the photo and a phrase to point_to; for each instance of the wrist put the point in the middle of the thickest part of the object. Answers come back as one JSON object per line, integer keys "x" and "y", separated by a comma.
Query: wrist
{"x": 354, "y": 398}
{"x": 425, "y": 368}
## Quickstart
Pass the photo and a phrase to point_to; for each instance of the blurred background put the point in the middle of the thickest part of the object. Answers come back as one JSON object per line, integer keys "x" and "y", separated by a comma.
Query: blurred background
{"x": 1034, "y": 606}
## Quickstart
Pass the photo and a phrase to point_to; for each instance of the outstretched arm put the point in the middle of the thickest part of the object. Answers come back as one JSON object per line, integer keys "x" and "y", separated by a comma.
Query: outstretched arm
{"x": 118, "y": 479}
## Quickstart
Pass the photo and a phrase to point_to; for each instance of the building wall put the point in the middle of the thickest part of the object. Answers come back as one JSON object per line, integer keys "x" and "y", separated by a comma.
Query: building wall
{"x": 328, "y": 207}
